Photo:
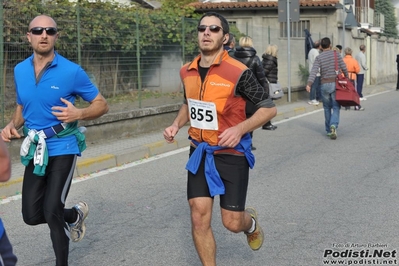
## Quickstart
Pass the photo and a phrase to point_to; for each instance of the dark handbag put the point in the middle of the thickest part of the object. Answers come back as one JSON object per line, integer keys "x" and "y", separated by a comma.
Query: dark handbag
{"x": 345, "y": 92}
{"x": 275, "y": 90}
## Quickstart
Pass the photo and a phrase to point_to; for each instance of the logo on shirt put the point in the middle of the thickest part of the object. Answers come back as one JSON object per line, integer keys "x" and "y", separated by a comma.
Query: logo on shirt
{"x": 55, "y": 87}
{"x": 219, "y": 84}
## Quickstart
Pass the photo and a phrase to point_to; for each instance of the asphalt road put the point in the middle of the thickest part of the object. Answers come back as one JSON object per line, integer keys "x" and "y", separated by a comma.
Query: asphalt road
{"x": 318, "y": 200}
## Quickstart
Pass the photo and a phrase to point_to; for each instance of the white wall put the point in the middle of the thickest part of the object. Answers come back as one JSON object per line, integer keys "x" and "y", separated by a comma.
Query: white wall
{"x": 164, "y": 78}
{"x": 264, "y": 28}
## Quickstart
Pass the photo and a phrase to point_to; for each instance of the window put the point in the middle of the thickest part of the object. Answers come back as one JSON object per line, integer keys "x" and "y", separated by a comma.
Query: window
{"x": 296, "y": 29}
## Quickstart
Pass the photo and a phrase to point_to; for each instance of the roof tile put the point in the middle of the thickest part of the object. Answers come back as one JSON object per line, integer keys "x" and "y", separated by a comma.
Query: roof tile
{"x": 260, "y": 4}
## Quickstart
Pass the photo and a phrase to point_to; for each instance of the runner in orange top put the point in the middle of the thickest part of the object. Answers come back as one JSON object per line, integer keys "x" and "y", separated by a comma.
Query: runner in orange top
{"x": 216, "y": 87}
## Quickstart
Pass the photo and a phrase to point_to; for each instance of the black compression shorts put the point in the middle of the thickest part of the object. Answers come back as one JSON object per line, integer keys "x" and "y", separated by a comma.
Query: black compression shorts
{"x": 234, "y": 172}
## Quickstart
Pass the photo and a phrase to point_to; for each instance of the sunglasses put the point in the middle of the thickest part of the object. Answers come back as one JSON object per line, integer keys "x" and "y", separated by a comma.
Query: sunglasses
{"x": 212, "y": 28}
{"x": 39, "y": 30}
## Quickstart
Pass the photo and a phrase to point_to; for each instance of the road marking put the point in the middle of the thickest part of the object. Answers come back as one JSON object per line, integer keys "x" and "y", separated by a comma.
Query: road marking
{"x": 107, "y": 171}
{"x": 128, "y": 165}
{"x": 160, "y": 156}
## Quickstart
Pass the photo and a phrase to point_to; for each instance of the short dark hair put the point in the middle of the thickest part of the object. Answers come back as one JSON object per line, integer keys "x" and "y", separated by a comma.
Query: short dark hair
{"x": 325, "y": 43}
{"x": 223, "y": 21}
{"x": 316, "y": 44}
{"x": 231, "y": 39}
{"x": 339, "y": 47}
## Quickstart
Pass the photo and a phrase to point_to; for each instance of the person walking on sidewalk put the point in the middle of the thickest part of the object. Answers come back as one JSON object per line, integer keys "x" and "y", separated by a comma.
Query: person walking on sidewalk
{"x": 361, "y": 59}
{"x": 246, "y": 54}
{"x": 353, "y": 69}
{"x": 231, "y": 44}
{"x": 314, "y": 95}
{"x": 326, "y": 63}
{"x": 46, "y": 86}
{"x": 339, "y": 47}
{"x": 7, "y": 257}
{"x": 270, "y": 66}
{"x": 216, "y": 88}
{"x": 397, "y": 68}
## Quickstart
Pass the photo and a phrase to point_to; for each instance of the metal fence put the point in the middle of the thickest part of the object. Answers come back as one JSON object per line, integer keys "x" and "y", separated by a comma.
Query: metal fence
{"x": 133, "y": 56}
{"x": 122, "y": 50}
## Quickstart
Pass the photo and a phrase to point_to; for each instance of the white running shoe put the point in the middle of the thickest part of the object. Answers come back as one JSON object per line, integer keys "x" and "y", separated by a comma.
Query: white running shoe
{"x": 313, "y": 102}
{"x": 78, "y": 229}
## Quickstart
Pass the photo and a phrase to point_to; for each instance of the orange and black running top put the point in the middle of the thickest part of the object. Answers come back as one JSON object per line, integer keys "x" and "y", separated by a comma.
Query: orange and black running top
{"x": 227, "y": 84}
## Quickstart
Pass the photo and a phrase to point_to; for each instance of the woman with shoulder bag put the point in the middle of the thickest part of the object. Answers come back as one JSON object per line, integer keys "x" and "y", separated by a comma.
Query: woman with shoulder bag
{"x": 269, "y": 63}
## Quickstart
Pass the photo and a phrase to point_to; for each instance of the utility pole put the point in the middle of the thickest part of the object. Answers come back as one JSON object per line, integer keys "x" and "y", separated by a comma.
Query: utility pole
{"x": 288, "y": 11}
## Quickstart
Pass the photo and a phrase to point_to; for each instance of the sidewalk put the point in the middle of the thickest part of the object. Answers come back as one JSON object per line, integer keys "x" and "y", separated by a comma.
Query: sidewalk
{"x": 118, "y": 152}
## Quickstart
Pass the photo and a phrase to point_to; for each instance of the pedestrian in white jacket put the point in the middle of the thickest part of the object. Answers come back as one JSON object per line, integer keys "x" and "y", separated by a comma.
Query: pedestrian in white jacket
{"x": 315, "y": 93}
{"x": 361, "y": 59}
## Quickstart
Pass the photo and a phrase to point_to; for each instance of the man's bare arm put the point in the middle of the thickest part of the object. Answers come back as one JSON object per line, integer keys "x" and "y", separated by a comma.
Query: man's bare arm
{"x": 70, "y": 113}
{"x": 10, "y": 131}
{"x": 5, "y": 162}
{"x": 232, "y": 136}
{"x": 182, "y": 117}
{"x": 97, "y": 108}
{"x": 259, "y": 118}
{"x": 180, "y": 120}
{"x": 17, "y": 119}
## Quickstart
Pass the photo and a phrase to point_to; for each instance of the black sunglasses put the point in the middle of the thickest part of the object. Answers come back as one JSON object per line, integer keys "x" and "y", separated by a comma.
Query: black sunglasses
{"x": 39, "y": 30}
{"x": 212, "y": 28}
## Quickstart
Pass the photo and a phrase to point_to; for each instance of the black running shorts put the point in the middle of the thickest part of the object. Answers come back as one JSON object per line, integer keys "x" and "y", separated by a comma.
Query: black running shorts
{"x": 234, "y": 172}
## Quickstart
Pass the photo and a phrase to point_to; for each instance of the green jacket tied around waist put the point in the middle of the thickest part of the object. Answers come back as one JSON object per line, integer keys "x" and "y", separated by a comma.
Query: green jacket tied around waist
{"x": 40, "y": 168}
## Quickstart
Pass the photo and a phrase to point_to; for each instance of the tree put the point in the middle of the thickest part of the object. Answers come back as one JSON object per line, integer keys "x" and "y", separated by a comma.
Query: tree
{"x": 113, "y": 42}
{"x": 386, "y": 8}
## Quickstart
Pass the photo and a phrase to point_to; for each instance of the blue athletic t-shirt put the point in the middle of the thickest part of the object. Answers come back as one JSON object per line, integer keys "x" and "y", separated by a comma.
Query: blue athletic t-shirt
{"x": 61, "y": 79}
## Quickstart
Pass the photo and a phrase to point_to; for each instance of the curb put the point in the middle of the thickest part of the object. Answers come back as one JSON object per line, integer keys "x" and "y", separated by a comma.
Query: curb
{"x": 87, "y": 166}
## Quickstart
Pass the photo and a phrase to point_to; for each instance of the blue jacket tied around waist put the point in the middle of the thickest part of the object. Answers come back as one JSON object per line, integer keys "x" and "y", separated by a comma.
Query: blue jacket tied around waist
{"x": 215, "y": 183}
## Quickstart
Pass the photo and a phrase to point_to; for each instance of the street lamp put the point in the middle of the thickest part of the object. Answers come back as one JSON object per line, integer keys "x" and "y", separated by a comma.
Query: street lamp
{"x": 349, "y": 19}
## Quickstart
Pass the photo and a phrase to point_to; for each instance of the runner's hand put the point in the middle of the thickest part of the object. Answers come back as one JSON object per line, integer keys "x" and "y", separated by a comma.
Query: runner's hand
{"x": 9, "y": 132}
{"x": 230, "y": 137}
{"x": 169, "y": 133}
{"x": 67, "y": 114}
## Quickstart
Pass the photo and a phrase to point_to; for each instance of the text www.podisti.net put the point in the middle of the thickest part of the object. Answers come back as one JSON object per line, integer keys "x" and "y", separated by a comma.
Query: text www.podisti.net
{"x": 360, "y": 257}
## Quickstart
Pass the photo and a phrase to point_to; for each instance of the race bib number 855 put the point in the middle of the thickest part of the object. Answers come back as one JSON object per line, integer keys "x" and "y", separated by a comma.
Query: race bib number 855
{"x": 203, "y": 115}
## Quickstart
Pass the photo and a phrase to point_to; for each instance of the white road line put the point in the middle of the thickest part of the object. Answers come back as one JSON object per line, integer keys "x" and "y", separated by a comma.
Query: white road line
{"x": 107, "y": 171}
{"x": 128, "y": 165}
{"x": 160, "y": 156}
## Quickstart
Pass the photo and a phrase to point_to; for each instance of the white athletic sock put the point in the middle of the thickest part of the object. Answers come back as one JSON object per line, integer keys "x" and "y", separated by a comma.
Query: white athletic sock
{"x": 253, "y": 227}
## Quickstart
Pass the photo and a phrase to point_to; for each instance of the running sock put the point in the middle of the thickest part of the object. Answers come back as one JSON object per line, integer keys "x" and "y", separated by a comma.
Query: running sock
{"x": 253, "y": 227}
{"x": 77, "y": 220}
{"x": 71, "y": 215}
